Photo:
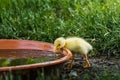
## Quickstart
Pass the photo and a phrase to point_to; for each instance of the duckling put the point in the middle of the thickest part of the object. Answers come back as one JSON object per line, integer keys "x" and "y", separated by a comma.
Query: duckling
{"x": 74, "y": 44}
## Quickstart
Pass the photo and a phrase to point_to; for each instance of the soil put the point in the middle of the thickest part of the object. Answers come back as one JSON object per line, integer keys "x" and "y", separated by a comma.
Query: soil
{"x": 100, "y": 66}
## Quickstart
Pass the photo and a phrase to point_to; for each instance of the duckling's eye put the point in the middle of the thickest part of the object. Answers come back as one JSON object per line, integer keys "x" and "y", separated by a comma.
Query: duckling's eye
{"x": 58, "y": 44}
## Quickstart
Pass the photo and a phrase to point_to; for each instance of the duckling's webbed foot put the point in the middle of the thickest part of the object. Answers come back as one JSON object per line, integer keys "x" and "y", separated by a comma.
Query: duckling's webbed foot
{"x": 70, "y": 65}
{"x": 87, "y": 63}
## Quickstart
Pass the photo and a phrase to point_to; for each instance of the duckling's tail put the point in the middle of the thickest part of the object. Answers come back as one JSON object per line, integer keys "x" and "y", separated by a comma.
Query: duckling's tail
{"x": 90, "y": 47}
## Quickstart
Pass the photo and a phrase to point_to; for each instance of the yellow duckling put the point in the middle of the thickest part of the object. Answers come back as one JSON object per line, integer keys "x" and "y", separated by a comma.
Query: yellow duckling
{"x": 74, "y": 44}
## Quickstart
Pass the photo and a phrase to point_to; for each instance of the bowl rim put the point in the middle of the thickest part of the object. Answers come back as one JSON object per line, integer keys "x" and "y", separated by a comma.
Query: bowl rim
{"x": 65, "y": 58}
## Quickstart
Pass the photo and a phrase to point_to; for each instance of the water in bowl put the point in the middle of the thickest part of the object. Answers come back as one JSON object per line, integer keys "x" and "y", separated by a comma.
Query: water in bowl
{"x": 23, "y": 57}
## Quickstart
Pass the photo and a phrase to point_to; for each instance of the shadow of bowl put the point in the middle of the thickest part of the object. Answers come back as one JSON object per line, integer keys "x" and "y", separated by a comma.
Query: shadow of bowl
{"x": 23, "y": 49}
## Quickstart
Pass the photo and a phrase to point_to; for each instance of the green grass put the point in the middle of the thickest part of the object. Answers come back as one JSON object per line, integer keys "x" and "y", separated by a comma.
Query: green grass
{"x": 95, "y": 20}
{"x": 101, "y": 74}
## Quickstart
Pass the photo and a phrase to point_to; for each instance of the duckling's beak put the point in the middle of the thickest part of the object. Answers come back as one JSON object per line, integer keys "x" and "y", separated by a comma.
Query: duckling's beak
{"x": 56, "y": 50}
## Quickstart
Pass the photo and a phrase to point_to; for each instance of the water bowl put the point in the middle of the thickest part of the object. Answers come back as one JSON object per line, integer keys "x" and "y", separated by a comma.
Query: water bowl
{"x": 28, "y": 54}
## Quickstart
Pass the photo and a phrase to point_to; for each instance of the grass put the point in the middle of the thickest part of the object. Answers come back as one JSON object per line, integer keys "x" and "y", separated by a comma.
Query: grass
{"x": 95, "y": 20}
{"x": 101, "y": 74}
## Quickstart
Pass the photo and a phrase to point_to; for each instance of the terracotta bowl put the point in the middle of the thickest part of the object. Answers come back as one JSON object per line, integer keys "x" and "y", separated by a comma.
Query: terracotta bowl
{"x": 26, "y": 48}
